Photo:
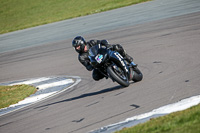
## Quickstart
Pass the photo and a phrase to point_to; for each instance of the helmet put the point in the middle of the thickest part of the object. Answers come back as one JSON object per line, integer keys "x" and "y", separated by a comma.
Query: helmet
{"x": 79, "y": 41}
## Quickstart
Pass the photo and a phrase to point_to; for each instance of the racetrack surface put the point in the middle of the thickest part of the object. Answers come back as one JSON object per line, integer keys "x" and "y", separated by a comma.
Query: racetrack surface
{"x": 167, "y": 51}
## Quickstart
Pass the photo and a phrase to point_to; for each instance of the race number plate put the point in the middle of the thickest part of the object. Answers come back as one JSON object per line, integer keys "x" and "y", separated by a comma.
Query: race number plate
{"x": 99, "y": 58}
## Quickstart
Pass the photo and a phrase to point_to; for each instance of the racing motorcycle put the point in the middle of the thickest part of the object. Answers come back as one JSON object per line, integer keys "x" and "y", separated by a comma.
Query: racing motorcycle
{"x": 112, "y": 65}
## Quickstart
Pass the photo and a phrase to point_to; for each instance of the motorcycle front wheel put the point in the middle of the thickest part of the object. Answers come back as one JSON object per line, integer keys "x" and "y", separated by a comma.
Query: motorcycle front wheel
{"x": 118, "y": 75}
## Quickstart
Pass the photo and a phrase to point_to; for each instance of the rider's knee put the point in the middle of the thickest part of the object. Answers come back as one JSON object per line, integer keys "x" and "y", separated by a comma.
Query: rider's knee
{"x": 96, "y": 75}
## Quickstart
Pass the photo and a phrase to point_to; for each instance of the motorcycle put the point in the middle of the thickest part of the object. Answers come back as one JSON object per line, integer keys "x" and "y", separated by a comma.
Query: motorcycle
{"x": 112, "y": 65}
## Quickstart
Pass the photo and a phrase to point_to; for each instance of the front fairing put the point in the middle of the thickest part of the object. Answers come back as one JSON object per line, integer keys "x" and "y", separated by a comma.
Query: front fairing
{"x": 101, "y": 58}
{"x": 98, "y": 55}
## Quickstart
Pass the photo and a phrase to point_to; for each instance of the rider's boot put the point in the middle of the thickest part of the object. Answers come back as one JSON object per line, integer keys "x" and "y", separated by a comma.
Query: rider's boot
{"x": 129, "y": 59}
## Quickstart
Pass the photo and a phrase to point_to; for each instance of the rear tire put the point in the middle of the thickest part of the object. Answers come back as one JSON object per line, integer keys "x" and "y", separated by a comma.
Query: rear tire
{"x": 137, "y": 75}
{"x": 115, "y": 77}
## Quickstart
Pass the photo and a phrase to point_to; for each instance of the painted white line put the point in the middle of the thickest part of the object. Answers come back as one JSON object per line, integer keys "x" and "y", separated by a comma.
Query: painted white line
{"x": 54, "y": 84}
{"x": 51, "y": 87}
{"x": 32, "y": 99}
{"x": 31, "y": 81}
{"x": 129, "y": 122}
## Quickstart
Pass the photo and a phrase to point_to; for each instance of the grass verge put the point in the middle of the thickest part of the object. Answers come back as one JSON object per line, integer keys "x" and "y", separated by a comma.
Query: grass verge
{"x": 187, "y": 121}
{"x": 13, "y": 94}
{"x": 21, "y": 14}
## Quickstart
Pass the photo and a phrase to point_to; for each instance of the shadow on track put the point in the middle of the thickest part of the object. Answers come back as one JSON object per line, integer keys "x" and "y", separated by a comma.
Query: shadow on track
{"x": 84, "y": 95}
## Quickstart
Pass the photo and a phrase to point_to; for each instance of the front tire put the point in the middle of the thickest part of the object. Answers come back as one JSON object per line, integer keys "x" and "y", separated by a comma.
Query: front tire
{"x": 114, "y": 76}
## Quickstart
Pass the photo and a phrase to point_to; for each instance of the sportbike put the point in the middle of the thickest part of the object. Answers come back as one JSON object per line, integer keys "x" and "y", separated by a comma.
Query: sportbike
{"x": 112, "y": 65}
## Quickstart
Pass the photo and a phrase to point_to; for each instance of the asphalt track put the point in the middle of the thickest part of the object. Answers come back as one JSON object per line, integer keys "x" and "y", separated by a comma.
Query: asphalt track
{"x": 166, "y": 49}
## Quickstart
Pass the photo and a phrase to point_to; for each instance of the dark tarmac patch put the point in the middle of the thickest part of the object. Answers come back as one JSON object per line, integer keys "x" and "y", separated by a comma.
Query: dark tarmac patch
{"x": 77, "y": 121}
{"x": 157, "y": 62}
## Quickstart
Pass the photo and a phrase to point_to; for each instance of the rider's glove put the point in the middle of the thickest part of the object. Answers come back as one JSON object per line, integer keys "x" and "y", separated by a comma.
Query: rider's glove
{"x": 89, "y": 68}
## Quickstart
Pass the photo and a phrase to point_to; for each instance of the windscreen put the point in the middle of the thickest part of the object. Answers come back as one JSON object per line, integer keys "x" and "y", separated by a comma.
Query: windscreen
{"x": 93, "y": 50}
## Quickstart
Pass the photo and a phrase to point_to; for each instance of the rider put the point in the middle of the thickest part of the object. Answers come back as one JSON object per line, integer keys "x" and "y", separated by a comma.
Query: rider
{"x": 82, "y": 47}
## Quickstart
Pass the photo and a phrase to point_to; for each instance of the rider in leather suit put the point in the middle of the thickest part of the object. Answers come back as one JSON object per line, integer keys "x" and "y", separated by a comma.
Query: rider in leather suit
{"x": 82, "y": 47}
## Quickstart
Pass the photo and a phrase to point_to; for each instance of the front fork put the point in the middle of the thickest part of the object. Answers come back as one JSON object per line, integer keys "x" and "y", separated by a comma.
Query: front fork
{"x": 131, "y": 72}
{"x": 130, "y": 76}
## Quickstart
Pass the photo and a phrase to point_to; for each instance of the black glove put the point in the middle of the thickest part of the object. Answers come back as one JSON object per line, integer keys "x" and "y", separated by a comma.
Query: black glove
{"x": 89, "y": 67}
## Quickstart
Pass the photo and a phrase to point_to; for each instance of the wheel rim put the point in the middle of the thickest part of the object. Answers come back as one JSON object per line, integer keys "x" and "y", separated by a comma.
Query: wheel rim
{"x": 119, "y": 72}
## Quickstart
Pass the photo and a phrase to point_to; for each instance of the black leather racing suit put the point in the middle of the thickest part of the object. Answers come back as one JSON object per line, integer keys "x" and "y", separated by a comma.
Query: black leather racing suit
{"x": 83, "y": 56}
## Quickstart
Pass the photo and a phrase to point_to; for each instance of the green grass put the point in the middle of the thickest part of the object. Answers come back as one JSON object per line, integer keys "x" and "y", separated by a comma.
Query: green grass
{"x": 13, "y": 94}
{"x": 187, "y": 121}
{"x": 21, "y": 14}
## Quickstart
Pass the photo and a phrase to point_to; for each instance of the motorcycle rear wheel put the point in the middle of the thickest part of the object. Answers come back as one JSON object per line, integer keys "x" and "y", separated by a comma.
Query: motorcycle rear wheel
{"x": 137, "y": 75}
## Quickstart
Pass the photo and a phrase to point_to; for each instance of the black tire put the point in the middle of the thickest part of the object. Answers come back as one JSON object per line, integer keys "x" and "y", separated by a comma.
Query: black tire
{"x": 137, "y": 75}
{"x": 115, "y": 77}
